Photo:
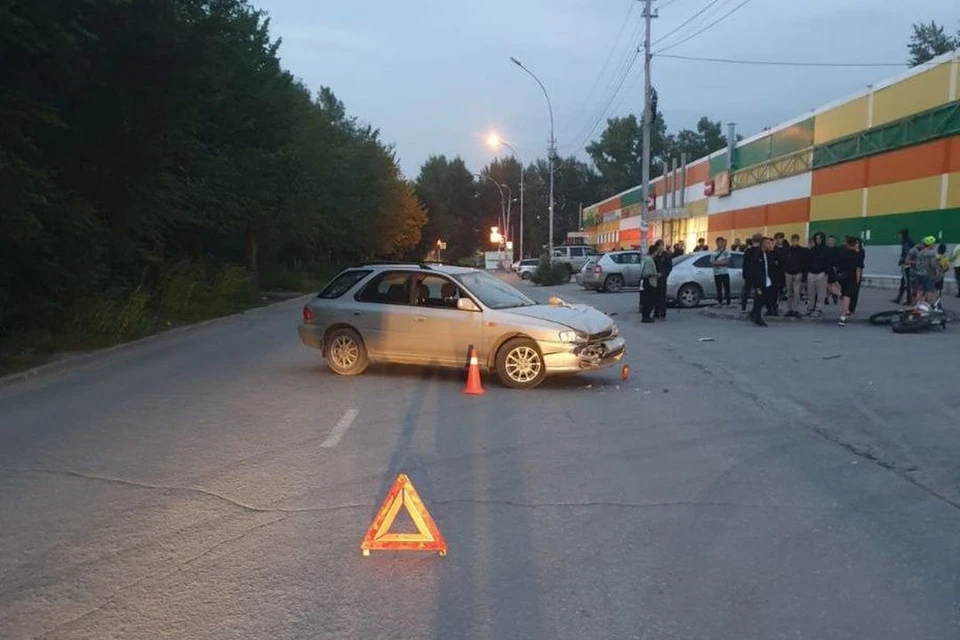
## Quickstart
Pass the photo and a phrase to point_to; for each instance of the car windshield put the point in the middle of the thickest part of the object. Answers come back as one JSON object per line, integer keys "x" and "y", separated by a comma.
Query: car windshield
{"x": 492, "y": 292}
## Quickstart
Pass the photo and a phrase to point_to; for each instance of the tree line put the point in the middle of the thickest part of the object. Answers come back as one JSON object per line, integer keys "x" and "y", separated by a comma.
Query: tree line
{"x": 151, "y": 149}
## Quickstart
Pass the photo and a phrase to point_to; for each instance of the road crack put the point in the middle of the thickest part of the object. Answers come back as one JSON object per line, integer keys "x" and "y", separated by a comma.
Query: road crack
{"x": 628, "y": 505}
{"x": 180, "y": 489}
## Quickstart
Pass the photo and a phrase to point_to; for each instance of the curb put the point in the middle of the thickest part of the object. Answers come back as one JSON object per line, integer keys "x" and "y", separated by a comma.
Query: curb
{"x": 92, "y": 356}
{"x": 780, "y": 319}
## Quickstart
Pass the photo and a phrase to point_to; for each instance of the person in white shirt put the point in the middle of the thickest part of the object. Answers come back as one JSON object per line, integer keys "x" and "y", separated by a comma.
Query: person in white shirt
{"x": 721, "y": 275}
{"x": 955, "y": 263}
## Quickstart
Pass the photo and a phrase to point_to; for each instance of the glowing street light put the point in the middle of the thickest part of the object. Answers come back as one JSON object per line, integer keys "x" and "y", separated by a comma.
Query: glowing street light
{"x": 495, "y": 142}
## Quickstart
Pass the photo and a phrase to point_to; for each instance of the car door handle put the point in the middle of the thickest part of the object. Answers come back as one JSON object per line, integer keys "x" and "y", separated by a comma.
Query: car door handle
{"x": 419, "y": 319}
{"x": 356, "y": 313}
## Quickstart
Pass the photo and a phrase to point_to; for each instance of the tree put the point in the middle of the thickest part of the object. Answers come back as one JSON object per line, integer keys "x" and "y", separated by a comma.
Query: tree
{"x": 449, "y": 193}
{"x": 929, "y": 41}
{"x": 707, "y": 138}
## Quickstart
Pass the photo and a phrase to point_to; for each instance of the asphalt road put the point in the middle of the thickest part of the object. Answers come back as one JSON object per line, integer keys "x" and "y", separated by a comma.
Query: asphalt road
{"x": 799, "y": 481}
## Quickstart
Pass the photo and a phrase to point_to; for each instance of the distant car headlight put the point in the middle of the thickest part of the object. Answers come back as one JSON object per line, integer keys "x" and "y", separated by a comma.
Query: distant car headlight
{"x": 572, "y": 336}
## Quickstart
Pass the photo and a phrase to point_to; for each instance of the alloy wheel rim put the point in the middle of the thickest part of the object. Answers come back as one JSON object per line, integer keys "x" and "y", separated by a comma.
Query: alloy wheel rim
{"x": 345, "y": 352}
{"x": 523, "y": 364}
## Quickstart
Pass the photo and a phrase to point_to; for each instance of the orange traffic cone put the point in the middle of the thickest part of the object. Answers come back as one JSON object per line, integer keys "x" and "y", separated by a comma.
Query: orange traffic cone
{"x": 473, "y": 387}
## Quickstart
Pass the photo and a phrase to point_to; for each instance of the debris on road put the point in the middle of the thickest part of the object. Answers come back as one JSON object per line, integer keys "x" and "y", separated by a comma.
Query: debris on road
{"x": 707, "y": 340}
{"x": 833, "y": 357}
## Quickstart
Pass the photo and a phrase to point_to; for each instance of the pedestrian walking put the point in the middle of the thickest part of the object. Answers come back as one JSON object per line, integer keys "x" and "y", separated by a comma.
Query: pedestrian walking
{"x": 776, "y": 259}
{"x": 721, "y": 274}
{"x": 817, "y": 275}
{"x": 904, "y": 292}
{"x": 849, "y": 272}
{"x": 856, "y": 293}
{"x": 795, "y": 264}
{"x": 648, "y": 285}
{"x": 760, "y": 280}
{"x": 664, "y": 263}
{"x": 943, "y": 265}
{"x": 749, "y": 264}
{"x": 955, "y": 263}
{"x": 833, "y": 289}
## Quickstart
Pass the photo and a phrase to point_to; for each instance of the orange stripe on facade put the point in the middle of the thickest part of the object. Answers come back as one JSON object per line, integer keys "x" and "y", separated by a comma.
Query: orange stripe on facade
{"x": 698, "y": 173}
{"x": 788, "y": 212}
{"x": 720, "y": 221}
{"x": 750, "y": 217}
{"x": 840, "y": 177}
{"x": 611, "y": 205}
{"x": 630, "y": 235}
{"x": 911, "y": 163}
{"x": 953, "y": 153}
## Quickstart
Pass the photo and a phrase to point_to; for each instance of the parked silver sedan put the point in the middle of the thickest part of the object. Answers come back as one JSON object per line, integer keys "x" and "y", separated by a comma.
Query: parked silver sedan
{"x": 691, "y": 280}
{"x": 431, "y": 314}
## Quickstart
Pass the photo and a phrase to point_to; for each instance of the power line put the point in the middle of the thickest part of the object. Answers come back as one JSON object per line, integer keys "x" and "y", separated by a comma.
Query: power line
{"x": 786, "y": 63}
{"x": 606, "y": 109}
{"x": 685, "y": 22}
{"x": 665, "y": 3}
{"x": 709, "y": 26}
{"x": 610, "y": 93}
{"x": 606, "y": 62}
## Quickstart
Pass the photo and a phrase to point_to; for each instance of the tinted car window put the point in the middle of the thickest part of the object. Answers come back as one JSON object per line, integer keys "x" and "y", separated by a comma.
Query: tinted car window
{"x": 343, "y": 283}
{"x": 390, "y": 287}
{"x": 703, "y": 262}
{"x": 576, "y": 252}
{"x": 529, "y": 262}
{"x": 736, "y": 261}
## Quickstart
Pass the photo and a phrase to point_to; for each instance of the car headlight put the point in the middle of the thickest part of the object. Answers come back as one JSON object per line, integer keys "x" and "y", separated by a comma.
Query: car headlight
{"x": 572, "y": 336}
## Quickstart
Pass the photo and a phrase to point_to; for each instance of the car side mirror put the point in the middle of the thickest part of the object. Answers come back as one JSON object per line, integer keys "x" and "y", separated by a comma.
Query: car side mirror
{"x": 466, "y": 304}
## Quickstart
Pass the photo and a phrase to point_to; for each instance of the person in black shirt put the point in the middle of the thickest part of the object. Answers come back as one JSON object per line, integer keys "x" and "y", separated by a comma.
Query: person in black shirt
{"x": 817, "y": 275}
{"x": 752, "y": 247}
{"x": 856, "y": 294}
{"x": 833, "y": 289}
{"x": 760, "y": 280}
{"x": 795, "y": 264}
{"x": 776, "y": 259}
{"x": 664, "y": 261}
{"x": 849, "y": 270}
{"x": 905, "y": 271}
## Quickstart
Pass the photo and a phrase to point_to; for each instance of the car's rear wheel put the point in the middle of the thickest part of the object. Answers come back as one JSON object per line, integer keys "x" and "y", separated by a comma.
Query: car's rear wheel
{"x": 346, "y": 353}
{"x": 613, "y": 283}
{"x": 524, "y": 275}
{"x": 689, "y": 295}
{"x": 520, "y": 364}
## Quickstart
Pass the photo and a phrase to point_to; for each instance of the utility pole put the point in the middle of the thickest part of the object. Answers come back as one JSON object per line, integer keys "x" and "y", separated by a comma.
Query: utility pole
{"x": 648, "y": 15}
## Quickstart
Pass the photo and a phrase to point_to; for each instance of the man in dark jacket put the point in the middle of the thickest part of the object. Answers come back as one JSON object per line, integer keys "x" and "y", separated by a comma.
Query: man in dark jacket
{"x": 664, "y": 262}
{"x": 796, "y": 259}
{"x": 776, "y": 259}
{"x": 760, "y": 279}
{"x": 817, "y": 266}
{"x": 906, "y": 243}
{"x": 749, "y": 263}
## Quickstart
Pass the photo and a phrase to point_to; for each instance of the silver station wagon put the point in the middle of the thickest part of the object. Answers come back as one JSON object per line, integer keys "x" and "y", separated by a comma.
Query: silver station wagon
{"x": 432, "y": 314}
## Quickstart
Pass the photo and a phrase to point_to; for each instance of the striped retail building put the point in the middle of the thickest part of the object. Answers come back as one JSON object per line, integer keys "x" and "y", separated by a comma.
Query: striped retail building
{"x": 881, "y": 160}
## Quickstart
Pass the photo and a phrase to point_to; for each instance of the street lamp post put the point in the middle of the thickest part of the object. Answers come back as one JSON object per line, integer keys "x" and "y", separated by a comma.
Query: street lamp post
{"x": 551, "y": 148}
{"x": 495, "y": 141}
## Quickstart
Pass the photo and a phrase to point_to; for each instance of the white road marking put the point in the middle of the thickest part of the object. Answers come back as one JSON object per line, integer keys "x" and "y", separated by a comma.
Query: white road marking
{"x": 339, "y": 429}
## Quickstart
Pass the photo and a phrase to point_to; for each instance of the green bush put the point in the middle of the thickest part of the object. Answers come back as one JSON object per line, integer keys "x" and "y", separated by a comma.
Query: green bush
{"x": 193, "y": 290}
{"x": 550, "y": 275}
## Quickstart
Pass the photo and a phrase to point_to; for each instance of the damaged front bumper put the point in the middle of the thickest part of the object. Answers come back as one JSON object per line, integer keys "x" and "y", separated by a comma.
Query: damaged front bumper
{"x": 573, "y": 358}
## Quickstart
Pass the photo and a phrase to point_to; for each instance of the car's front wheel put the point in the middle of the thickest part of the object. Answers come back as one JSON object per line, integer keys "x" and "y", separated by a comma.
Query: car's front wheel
{"x": 520, "y": 364}
{"x": 524, "y": 275}
{"x": 346, "y": 353}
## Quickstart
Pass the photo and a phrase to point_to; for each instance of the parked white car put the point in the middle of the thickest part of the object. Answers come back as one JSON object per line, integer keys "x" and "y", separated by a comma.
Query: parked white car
{"x": 691, "y": 280}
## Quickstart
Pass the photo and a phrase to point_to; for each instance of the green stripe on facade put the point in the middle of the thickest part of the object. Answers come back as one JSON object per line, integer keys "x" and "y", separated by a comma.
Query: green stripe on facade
{"x": 942, "y": 223}
{"x": 791, "y": 139}
{"x": 930, "y": 125}
{"x": 632, "y": 197}
{"x": 718, "y": 164}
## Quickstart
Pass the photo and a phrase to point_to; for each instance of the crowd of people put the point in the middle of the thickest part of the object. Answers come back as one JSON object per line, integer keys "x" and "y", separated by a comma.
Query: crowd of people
{"x": 804, "y": 277}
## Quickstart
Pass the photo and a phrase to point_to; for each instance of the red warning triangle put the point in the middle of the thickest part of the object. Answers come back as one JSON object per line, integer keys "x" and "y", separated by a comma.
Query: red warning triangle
{"x": 427, "y": 538}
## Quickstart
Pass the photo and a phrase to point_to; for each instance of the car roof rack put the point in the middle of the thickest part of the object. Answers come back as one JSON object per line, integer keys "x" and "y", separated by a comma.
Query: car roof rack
{"x": 399, "y": 263}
